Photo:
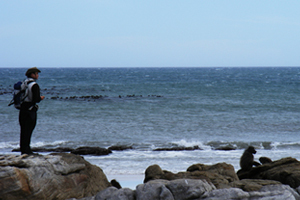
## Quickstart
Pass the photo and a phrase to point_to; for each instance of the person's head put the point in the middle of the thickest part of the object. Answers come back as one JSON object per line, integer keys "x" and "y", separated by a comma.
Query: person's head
{"x": 33, "y": 73}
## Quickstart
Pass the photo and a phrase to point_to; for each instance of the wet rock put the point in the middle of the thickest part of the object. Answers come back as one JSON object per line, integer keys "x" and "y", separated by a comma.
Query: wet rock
{"x": 119, "y": 148}
{"x": 179, "y": 149}
{"x": 98, "y": 151}
{"x": 226, "y": 148}
{"x": 41, "y": 149}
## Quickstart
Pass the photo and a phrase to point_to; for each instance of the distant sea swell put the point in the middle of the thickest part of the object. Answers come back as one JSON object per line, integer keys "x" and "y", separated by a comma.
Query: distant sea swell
{"x": 162, "y": 108}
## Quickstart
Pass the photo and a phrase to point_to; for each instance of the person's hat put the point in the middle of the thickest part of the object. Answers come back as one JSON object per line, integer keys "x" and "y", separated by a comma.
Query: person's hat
{"x": 32, "y": 70}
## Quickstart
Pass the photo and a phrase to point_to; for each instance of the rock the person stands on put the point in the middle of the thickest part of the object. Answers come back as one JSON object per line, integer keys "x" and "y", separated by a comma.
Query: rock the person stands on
{"x": 57, "y": 176}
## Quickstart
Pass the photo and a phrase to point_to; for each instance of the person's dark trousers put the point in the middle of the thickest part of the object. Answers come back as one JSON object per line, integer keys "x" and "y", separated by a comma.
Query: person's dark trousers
{"x": 27, "y": 119}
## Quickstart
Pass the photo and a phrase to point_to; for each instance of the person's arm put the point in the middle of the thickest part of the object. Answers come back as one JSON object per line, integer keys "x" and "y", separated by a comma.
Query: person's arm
{"x": 36, "y": 96}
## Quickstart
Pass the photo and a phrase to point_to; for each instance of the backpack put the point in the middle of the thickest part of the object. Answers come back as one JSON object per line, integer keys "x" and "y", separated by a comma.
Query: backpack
{"x": 20, "y": 93}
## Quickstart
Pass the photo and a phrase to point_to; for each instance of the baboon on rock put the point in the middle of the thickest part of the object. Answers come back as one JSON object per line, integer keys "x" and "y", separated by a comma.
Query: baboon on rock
{"x": 247, "y": 159}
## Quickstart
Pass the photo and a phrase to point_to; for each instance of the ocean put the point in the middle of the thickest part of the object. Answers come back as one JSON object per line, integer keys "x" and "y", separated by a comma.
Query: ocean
{"x": 151, "y": 108}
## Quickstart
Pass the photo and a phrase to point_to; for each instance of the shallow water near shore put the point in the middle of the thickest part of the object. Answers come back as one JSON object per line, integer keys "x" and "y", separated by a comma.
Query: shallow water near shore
{"x": 150, "y": 108}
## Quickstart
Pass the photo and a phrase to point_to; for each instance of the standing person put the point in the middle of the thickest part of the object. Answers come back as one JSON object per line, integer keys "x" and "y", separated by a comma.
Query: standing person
{"x": 28, "y": 110}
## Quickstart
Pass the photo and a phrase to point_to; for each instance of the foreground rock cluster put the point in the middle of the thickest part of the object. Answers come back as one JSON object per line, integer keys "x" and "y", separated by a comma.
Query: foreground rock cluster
{"x": 62, "y": 176}
{"x": 273, "y": 180}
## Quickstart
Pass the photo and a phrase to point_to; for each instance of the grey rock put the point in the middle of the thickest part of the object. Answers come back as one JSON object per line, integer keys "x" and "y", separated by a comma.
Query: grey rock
{"x": 86, "y": 198}
{"x": 278, "y": 191}
{"x": 113, "y": 193}
{"x": 298, "y": 190}
{"x": 106, "y": 193}
{"x": 227, "y": 193}
{"x": 189, "y": 188}
{"x": 154, "y": 190}
{"x": 269, "y": 192}
{"x": 179, "y": 189}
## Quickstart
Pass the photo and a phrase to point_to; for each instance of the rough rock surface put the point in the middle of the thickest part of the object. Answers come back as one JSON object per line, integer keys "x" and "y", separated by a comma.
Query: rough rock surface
{"x": 114, "y": 193}
{"x": 55, "y": 176}
{"x": 249, "y": 185}
{"x": 265, "y": 193}
{"x": 285, "y": 170}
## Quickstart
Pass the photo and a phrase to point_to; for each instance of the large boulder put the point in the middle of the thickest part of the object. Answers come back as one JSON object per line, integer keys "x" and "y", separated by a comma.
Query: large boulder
{"x": 55, "y": 176}
{"x": 285, "y": 170}
{"x": 155, "y": 189}
{"x": 173, "y": 190}
{"x": 220, "y": 174}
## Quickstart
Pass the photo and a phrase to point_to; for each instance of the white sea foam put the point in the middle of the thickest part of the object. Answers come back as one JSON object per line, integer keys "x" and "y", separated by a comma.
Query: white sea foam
{"x": 186, "y": 143}
{"x": 47, "y": 144}
{"x": 284, "y": 145}
{"x": 9, "y": 145}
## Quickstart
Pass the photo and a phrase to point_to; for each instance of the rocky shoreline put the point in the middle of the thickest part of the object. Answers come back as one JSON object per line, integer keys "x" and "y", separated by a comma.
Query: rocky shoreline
{"x": 98, "y": 151}
{"x": 63, "y": 176}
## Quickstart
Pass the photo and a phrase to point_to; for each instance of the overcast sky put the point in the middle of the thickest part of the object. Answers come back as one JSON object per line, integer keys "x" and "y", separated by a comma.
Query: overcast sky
{"x": 149, "y": 33}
